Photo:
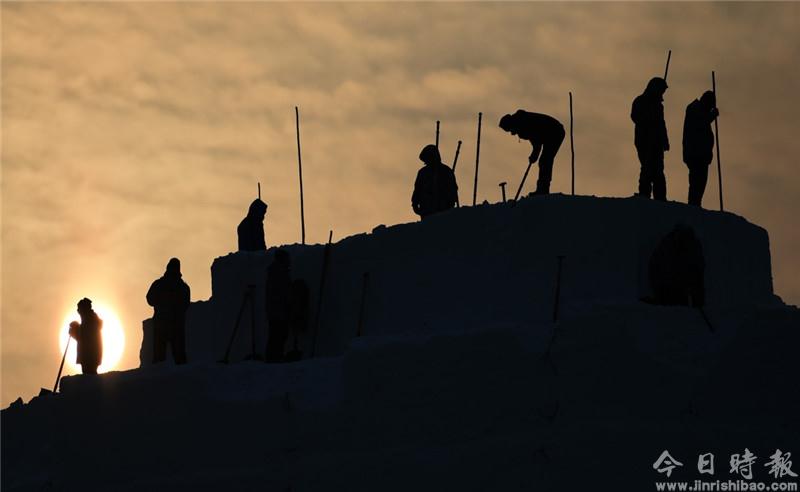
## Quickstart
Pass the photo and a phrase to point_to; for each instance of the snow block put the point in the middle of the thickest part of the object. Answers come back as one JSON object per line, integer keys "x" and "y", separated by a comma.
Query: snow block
{"x": 474, "y": 266}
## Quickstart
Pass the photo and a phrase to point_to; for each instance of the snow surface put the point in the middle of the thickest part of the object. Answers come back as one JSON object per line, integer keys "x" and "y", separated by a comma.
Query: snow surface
{"x": 464, "y": 389}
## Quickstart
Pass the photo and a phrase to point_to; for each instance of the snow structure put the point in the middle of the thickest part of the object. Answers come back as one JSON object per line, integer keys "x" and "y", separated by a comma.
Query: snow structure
{"x": 461, "y": 380}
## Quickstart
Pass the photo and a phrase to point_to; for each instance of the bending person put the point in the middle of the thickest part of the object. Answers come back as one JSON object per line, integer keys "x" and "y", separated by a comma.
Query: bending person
{"x": 545, "y": 134}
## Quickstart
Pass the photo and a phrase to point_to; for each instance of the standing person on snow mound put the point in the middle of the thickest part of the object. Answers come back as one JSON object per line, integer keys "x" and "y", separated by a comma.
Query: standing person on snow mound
{"x": 169, "y": 296}
{"x": 251, "y": 228}
{"x": 87, "y": 334}
{"x": 650, "y": 138}
{"x": 677, "y": 268}
{"x": 545, "y": 134}
{"x": 435, "y": 188}
{"x": 279, "y": 284}
{"x": 698, "y": 143}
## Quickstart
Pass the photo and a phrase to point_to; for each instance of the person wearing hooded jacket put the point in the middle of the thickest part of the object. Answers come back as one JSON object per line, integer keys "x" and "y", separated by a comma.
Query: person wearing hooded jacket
{"x": 698, "y": 143}
{"x": 170, "y": 297}
{"x": 545, "y": 134}
{"x": 251, "y": 228}
{"x": 435, "y": 189}
{"x": 677, "y": 269}
{"x": 650, "y": 139}
{"x": 87, "y": 334}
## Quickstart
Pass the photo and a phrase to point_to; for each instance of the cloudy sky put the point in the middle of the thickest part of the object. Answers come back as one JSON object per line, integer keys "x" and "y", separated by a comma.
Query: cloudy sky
{"x": 133, "y": 132}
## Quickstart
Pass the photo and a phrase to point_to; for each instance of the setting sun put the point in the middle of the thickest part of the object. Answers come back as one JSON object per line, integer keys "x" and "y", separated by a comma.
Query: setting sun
{"x": 112, "y": 334}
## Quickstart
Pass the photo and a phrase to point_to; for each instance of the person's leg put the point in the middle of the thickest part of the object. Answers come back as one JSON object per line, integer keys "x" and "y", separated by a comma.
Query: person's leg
{"x": 549, "y": 151}
{"x": 178, "y": 343}
{"x": 657, "y": 176}
{"x": 159, "y": 342}
{"x": 644, "y": 174}
{"x": 276, "y": 339}
{"x": 692, "y": 195}
{"x": 698, "y": 175}
{"x": 702, "y": 179}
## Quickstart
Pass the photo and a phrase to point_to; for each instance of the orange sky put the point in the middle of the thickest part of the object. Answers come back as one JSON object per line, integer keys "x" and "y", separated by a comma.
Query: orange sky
{"x": 133, "y": 132}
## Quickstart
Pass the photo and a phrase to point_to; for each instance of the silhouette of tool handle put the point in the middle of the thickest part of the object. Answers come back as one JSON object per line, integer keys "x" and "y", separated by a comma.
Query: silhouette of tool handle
{"x": 326, "y": 258}
{"x": 522, "y": 183}
{"x": 716, "y": 140}
{"x": 557, "y": 299}
{"x": 61, "y": 367}
{"x": 245, "y": 300}
{"x": 455, "y": 162}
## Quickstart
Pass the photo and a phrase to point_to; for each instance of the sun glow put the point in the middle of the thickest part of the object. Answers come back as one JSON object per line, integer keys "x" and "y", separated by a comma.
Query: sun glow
{"x": 112, "y": 334}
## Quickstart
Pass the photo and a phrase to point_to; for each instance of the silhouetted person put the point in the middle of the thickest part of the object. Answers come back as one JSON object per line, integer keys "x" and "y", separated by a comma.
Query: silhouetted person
{"x": 677, "y": 269}
{"x": 298, "y": 306}
{"x": 298, "y": 316}
{"x": 278, "y": 289}
{"x": 651, "y": 138}
{"x": 435, "y": 188}
{"x": 251, "y": 228}
{"x": 87, "y": 334}
{"x": 545, "y": 134}
{"x": 169, "y": 296}
{"x": 698, "y": 143}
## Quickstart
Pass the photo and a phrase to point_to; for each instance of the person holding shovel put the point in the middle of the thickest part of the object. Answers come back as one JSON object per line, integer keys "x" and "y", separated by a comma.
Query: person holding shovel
{"x": 545, "y": 134}
{"x": 87, "y": 334}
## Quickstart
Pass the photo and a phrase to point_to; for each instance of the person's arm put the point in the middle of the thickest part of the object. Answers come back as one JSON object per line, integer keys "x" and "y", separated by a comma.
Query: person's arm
{"x": 152, "y": 295}
{"x": 187, "y": 297}
{"x": 415, "y": 194}
{"x": 537, "y": 149}
{"x": 712, "y": 115}
{"x": 74, "y": 328}
{"x": 635, "y": 112}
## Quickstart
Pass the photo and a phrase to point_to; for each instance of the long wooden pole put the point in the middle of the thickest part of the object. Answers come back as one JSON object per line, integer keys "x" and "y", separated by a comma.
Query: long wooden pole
{"x": 326, "y": 256}
{"x": 364, "y": 285}
{"x": 455, "y": 162}
{"x": 259, "y": 190}
{"x": 666, "y": 70}
{"x": 716, "y": 138}
{"x": 455, "y": 159}
{"x": 477, "y": 162}
{"x": 437, "y": 134}
{"x": 522, "y": 183}
{"x": 300, "y": 167}
{"x": 571, "y": 143}
{"x": 61, "y": 367}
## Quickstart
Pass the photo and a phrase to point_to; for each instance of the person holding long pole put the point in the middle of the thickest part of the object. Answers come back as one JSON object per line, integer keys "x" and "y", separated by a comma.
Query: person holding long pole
{"x": 650, "y": 139}
{"x": 698, "y": 143}
{"x": 87, "y": 334}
